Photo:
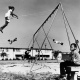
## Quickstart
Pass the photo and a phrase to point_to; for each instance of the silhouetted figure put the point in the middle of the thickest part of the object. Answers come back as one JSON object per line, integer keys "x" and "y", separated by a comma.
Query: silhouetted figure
{"x": 11, "y": 41}
{"x": 27, "y": 56}
{"x": 57, "y": 42}
{"x": 8, "y": 16}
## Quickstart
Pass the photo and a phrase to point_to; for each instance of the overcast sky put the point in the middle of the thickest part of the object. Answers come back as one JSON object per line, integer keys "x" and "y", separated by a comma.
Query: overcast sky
{"x": 31, "y": 14}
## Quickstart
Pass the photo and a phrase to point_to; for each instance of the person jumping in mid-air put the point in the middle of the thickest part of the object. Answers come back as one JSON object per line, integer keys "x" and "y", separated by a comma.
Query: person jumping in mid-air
{"x": 8, "y": 16}
{"x": 11, "y": 41}
{"x": 57, "y": 42}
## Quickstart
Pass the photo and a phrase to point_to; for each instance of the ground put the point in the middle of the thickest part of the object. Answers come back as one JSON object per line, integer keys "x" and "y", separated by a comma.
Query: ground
{"x": 24, "y": 70}
{"x": 24, "y": 67}
{"x": 35, "y": 70}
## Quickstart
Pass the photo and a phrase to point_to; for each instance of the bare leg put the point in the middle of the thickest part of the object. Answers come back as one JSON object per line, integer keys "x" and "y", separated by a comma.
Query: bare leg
{"x": 1, "y": 28}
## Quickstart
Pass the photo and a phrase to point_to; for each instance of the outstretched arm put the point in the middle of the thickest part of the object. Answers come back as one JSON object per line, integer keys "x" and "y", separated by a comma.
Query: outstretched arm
{"x": 14, "y": 15}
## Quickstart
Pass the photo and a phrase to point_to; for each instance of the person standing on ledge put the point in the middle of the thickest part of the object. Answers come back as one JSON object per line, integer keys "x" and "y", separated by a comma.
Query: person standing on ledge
{"x": 8, "y": 16}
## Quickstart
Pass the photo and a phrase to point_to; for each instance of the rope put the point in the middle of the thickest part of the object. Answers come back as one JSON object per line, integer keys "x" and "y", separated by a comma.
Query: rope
{"x": 69, "y": 25}
{"x": 66, "y": 29}
{"x": 49, "y": 29}
{"x": 67, "y": 22}
{"x": 47, "y": 38}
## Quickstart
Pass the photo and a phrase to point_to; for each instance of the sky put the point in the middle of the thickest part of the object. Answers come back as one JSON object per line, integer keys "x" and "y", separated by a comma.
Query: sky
{"x": 32, "y": 14}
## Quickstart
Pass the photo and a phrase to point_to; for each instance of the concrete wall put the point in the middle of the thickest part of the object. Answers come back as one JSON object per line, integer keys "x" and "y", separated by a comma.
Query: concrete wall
{"x": 42, "y": 52}
{"x": 11, "y": 53}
